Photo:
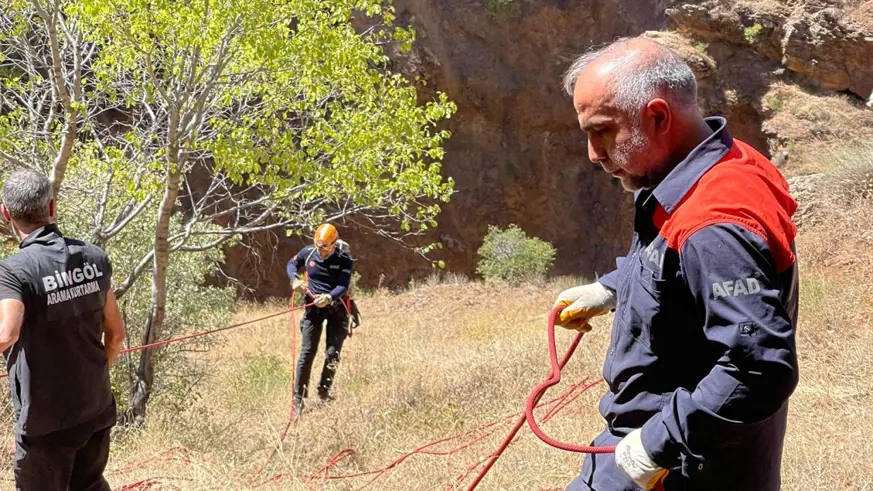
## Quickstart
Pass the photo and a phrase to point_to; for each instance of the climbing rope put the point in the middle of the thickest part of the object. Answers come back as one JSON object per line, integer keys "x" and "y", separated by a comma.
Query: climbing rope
{"x": 532, "y": 401}
{"x": 201, "y": 334}
{"x": 533, "y": 398}
{"x": 479, "y": 434}
{"x": 551, "y": 381}
{"x": 290, "y": 421}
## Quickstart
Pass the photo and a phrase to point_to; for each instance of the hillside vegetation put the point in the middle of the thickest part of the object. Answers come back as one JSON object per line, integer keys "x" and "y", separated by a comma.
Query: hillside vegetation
{"x": 447, "y": 356}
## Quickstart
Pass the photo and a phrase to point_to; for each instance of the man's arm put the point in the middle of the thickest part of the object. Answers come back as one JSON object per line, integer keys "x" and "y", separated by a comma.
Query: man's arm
{"x": 610, "y": 280}
{"x": 11, "y": 319}
{"x": 295, "y": 263}
{"x": 737, "y": 288}
{"x": 113, "y": 328}
{"x": 345, "y": 278}
{"x": 11, "y": 308}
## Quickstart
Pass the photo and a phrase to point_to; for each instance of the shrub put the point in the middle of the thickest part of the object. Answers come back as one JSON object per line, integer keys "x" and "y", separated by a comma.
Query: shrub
{"x": 510, "y": 255}
{"x": 497, "y": 5}
{"x": 750, "y": 34}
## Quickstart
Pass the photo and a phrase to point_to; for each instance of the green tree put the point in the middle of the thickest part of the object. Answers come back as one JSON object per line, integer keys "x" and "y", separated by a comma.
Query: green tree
{"x": 510, "y": 255}
{"x": 196, "y": 123}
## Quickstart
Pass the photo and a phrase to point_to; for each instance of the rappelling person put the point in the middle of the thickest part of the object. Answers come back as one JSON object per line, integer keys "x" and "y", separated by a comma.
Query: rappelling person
{"x": 327, "y": 274}
{"x": 60, "y": 329}
{"x": 702, "y": 359}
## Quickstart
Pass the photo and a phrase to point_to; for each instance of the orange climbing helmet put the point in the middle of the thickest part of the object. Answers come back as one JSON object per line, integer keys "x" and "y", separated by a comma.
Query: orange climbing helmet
{"x": 326, "y": 236}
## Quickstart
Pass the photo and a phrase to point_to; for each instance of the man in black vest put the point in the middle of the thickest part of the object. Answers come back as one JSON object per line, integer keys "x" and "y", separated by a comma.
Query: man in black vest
{"x": 60, "y": 329}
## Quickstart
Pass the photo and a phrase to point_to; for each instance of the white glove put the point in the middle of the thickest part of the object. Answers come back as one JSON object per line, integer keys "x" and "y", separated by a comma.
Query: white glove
{"x": 323, "y": 300}
{"x": 581, "y": 303}
{"x": 633, "y": 459}
{"x": 299, "y": 285}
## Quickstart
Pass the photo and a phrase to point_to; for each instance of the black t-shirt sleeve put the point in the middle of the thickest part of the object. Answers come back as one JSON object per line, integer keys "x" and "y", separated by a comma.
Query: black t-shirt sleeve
{"x": 108, "y": 265}
{"x": 10, "y": 286}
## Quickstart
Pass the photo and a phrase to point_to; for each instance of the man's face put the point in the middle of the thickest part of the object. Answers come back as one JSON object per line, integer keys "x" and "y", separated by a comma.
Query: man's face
{"x": 618, "y": 141}
{"x": 324, "y": 249}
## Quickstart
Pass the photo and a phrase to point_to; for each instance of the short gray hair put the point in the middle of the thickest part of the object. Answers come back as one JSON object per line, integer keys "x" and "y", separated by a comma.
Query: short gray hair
{"x": 640, "y": 78}
{"x": 27, "y": 194}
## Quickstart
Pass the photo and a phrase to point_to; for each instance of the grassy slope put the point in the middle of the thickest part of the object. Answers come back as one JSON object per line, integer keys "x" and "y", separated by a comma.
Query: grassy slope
{"x": 441, "y": 359}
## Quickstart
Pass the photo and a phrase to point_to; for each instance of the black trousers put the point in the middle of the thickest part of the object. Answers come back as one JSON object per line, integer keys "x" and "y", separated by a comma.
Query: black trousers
{"x": 311, "y": 327}
{"x": 72, "y": 459}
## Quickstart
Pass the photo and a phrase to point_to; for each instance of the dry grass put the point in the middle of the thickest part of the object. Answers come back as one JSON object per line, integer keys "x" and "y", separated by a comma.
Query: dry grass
{"x": 428, "y": 363}
{"x": 828, "y": 446}
{"x": 811, "y": 126}
{"x": 441, "y": 359}
{"x": 445, "y": 358}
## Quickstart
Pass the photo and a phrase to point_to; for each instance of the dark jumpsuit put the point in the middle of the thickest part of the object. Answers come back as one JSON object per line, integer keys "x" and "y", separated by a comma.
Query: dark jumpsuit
{"x": 331, "y": 275}
{"x": 702, "y": 355}
{"x": 58, "y": 371}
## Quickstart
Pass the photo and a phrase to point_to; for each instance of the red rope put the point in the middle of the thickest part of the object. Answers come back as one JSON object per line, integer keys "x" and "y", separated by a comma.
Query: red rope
{"x": 201, "y": 334}
{"x": 541, "y": 389}
{"x": 560, "y": 403}
{"x": 293, "y": 372}
{"x": 206, "y": 333}
{"x": 480, "y": 433}
{"x": 532, "y": 400}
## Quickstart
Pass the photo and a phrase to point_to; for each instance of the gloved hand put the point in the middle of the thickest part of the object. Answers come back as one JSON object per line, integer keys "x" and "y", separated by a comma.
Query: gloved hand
{"x": 323, "y": 300}
{"x": 633, "y": 459}
{"x": 299, "y": 285}
{"x": 581, "y": 303}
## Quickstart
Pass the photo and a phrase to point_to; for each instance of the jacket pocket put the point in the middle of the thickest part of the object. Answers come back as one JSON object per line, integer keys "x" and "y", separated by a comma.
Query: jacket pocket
{"x": 644, "y": 309}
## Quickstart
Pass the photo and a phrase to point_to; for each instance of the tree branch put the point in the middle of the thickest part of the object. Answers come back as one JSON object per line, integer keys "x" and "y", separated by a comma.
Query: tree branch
{"x": 121, "y": 289}
{"x": 118, "y": 227}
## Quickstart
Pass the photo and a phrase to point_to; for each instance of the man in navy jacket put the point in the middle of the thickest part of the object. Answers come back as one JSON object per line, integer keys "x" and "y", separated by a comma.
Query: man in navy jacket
{"x": 702, "y": 359}
{"x": 328, "y": 273}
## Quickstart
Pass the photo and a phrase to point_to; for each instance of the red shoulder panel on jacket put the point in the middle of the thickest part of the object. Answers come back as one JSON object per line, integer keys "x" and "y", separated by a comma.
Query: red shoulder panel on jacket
{"x": 743, "y": 188}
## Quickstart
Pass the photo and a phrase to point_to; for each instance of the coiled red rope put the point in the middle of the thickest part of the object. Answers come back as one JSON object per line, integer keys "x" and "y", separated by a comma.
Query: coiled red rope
{"x": 534, "y": 397}
{"x": 553, "y": 380}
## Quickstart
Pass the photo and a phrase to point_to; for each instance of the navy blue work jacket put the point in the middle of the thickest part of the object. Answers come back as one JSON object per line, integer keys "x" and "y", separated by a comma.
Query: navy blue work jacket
{"x": 702, "y": 355}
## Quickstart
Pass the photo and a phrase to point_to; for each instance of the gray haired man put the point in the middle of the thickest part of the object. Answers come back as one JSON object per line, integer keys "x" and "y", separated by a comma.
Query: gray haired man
{"x": 60, "y": 329}
{"x": 702, "y": 359}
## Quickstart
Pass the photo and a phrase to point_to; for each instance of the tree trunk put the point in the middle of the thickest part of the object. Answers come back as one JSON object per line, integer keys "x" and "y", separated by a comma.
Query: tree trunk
{"x": 145, "y": 373}
{"x": 50, "y": 16}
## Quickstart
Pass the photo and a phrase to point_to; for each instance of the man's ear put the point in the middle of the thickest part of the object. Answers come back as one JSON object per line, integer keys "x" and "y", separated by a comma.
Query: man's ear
{"x": 6, "y": 215}
{"x": 52, "y": 210}
{"x": 660, "y": 114}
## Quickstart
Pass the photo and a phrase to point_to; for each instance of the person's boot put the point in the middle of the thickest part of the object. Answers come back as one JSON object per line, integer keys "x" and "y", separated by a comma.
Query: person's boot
{"x": 298, "y": 408}
{"x": 325, "y": 395}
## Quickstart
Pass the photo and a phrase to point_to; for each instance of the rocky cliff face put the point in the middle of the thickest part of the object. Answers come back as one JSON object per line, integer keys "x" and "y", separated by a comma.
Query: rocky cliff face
{"x": 794, "y": 75}
{"x": 517, "y": 154}
{"x": 829, "y": 43}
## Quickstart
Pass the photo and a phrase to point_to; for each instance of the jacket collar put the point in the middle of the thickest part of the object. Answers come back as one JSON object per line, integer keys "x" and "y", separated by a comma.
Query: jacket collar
{"x": 670, "y": 191}
{"x": 43, "y": 236}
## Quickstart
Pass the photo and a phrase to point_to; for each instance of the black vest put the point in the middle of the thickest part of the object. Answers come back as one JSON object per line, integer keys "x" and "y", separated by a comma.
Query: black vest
{"x": 58, "y": 372}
